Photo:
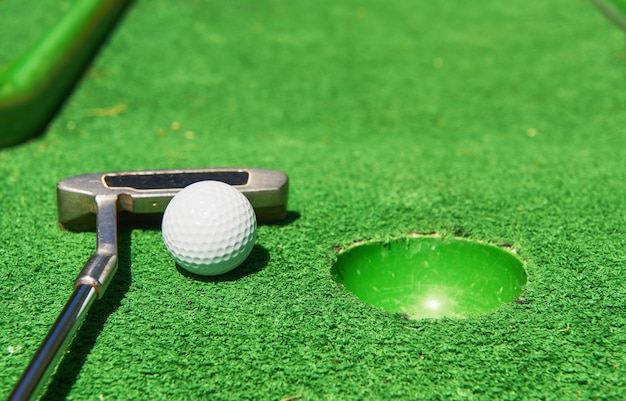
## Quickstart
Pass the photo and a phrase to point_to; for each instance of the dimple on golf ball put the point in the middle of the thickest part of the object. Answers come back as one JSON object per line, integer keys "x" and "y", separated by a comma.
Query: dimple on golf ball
{"x": 209, "y": 228}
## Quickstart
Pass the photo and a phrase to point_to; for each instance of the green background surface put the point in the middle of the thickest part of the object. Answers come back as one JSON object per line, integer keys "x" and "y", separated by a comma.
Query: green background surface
{"x": 496, "y": 121}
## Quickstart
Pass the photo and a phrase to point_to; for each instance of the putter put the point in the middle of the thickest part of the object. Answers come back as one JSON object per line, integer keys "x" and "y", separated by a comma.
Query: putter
{"x": 93, "y": 201}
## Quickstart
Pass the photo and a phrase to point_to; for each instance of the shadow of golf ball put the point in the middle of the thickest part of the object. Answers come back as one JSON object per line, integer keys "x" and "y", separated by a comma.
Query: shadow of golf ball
{"x": 431, "y": 277}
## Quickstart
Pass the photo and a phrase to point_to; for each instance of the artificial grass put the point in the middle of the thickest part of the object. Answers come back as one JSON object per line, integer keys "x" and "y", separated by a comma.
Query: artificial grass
{"x": 500, "y": 122}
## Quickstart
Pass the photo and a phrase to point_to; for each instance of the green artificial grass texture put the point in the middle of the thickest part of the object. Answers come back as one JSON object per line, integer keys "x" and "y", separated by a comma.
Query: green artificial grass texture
{"x": 501, "y": 122}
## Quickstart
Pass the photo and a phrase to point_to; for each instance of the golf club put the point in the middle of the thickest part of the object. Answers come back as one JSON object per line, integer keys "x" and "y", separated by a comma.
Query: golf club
{"x": 93, "y": 201}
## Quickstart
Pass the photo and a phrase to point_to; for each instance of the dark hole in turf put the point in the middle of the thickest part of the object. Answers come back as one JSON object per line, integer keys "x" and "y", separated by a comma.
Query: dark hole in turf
{"x": 431, "y": 277}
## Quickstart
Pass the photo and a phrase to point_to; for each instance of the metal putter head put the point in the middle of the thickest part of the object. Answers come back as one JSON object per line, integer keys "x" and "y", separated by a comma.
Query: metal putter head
{"x": 93, "y": 201}
{"x": 148, "y": 193}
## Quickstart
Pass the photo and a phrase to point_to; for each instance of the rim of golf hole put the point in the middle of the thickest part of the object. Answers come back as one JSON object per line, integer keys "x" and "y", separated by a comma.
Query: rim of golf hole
{"x": 431, "y": 277}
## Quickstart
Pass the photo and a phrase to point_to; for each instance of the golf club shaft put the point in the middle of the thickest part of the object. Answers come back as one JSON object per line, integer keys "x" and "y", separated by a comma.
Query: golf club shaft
{"x": 90, "y": 284}
{"x": 54, "y": 345}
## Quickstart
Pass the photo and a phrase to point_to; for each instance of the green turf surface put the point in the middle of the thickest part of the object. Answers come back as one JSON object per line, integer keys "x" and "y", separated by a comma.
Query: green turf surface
{"x": 498, "y": 121}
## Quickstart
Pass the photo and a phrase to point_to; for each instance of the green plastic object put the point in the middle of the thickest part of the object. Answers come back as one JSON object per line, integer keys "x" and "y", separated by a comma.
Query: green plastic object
{"x": 614, "y": 10}
{"x": 430, "y": 277}
{"x": 34, "y": 85}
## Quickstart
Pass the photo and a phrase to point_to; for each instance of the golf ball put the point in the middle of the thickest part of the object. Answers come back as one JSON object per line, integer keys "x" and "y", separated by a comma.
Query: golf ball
{"x": 209, "y": 228}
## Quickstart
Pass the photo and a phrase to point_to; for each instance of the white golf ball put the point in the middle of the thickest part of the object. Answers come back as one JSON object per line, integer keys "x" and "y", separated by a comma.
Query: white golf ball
{"x": 209, "y": 228}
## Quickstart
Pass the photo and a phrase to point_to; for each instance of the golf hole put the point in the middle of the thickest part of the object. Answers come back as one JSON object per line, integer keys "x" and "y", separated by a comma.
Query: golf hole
{"x": 431, "y": 277}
